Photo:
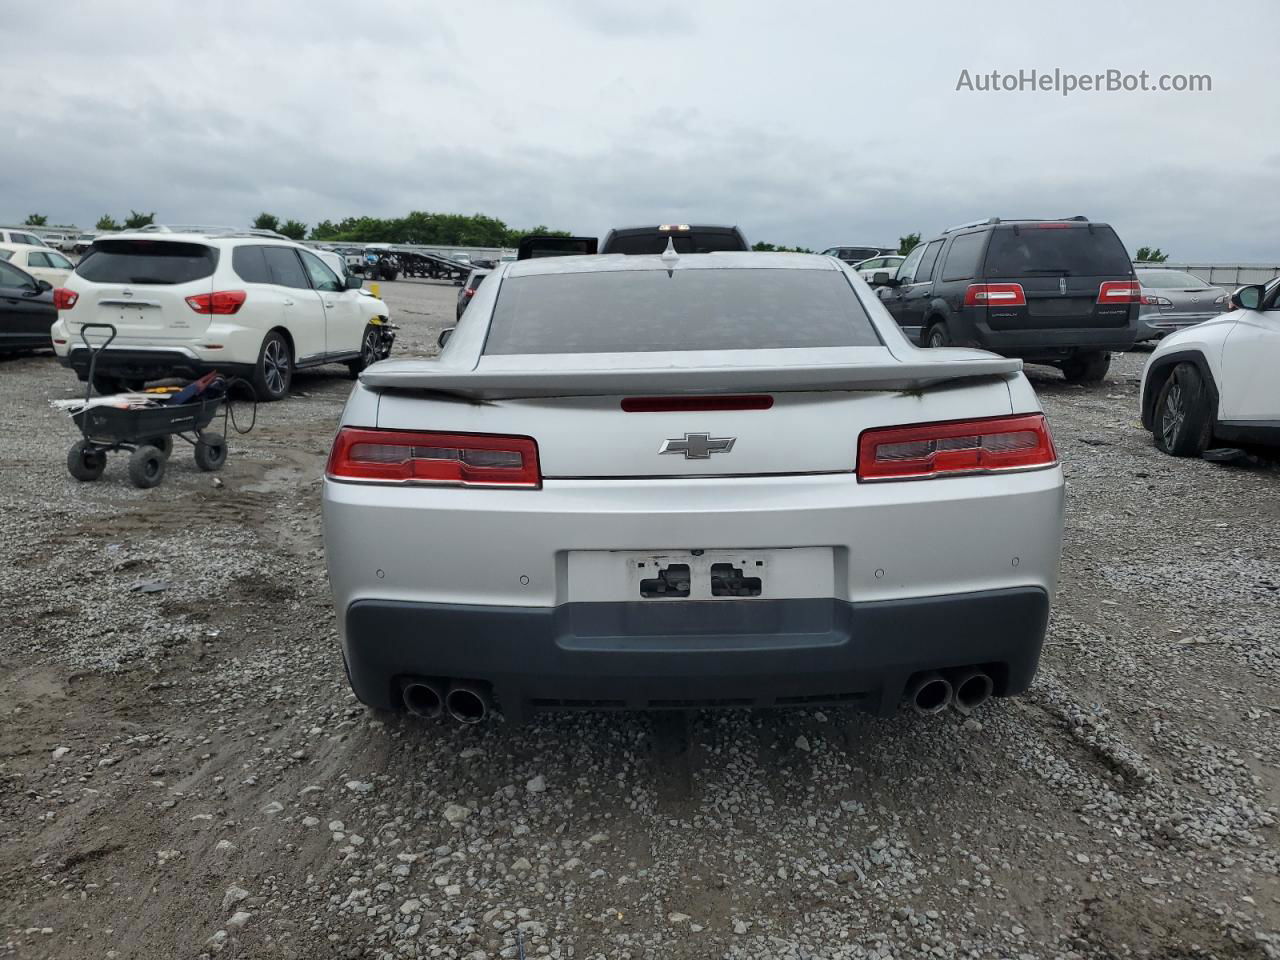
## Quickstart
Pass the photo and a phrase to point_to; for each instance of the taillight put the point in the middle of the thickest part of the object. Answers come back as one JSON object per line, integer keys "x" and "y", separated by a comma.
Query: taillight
{"x": 223, "y": 303}
{"x": 469, "y": 292}
{"x": 64, "y": 299}
{"x": 995, "y": 295}
{"x": 930, "y": 450}
{"x": 362, "y": 455}
{"x": 1151, "y": 300}
{"x": 1120, "y": 291}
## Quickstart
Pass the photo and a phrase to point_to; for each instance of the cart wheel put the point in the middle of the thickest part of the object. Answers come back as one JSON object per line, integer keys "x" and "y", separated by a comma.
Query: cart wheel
{"x": 85, "y": 463}
{"x": 146, "y": 467}
{"x": 164, "y": 444}
{"x": 211, "y": 452}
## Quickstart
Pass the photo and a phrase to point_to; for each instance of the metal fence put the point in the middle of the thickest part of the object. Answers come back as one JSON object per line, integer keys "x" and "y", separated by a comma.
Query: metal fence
{"x": 1227, "y": 275}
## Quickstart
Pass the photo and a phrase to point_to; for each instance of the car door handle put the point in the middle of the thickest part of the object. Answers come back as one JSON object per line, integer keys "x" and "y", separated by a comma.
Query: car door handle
{"x": 328, "y": 304}
{"x": 288, "y": 303}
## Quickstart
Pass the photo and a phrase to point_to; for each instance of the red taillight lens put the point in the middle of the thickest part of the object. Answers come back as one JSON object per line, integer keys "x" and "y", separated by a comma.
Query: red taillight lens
{"x": 363, "y": 455}
{"x": 695, "y": 404}
{"x": 64, "y": 299}
{"x": 966, "y": 446}
{"x": 469, "y": 292}
{"x": 223, "y": 303}
{"x": 1120, "y": 291}
{"x": 994, "y": 295}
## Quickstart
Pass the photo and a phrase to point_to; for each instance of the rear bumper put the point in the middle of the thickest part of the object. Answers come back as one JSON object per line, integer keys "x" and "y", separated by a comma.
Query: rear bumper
{"x": 720, "y": 653}
{"x": 1154, "y": 326}
{"x": 148, "y": 364}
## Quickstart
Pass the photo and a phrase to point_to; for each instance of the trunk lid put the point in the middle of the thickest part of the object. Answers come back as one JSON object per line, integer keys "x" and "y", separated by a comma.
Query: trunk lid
{"x": 802, "y": 417}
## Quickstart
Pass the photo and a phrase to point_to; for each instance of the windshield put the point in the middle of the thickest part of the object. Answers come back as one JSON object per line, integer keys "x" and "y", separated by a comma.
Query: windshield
{"x": 1068, "y": 251}
{"x": 147, "y": 262}
{"x": 637, "y": 311}
{"x": 1169, "y": 280}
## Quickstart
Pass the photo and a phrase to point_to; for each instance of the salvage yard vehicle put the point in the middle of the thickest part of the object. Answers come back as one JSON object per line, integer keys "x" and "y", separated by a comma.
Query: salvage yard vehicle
{"x": 685, "y": 238}
{"x": 469, "y": 289}
{"x": 1173, "y": 299}
{"x": 856, "y": 254}
{"x": 26, "y": 310}
{"x": 746, "y": 488}
{"x": 1216, "y": 382}
{"x": 243, "y": 304}
{"x": 1057, "y": 292}
{"x": 41, "y": 262}
{"x": 867, "y": 269}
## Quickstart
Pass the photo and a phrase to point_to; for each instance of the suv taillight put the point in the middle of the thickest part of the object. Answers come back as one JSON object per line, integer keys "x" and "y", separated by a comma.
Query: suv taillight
{"x": 1120, "y": 291}
{"x": 363, "y": 455}
{"x": 64, "y": 299}
{"x": 223, "y": 303}
{"x": 994, "y": 295}
{"x": 961, "y": 447}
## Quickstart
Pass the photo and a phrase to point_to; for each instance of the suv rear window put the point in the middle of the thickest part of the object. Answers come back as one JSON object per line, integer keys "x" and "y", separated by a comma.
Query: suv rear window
{"x": 147, "y": 262}
{"x": 1085, "y": 251}
{"x": 641, "y": 311}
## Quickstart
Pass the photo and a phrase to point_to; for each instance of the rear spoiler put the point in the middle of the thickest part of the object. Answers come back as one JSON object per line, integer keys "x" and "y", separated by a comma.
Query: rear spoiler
{"x": 539, "y": 246}
{"x": 580, "y": 375}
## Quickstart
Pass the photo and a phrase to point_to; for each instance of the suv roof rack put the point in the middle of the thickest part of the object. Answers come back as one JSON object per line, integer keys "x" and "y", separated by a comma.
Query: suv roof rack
{"x": 982, "y": 223}
{"x": 207, "y": 230}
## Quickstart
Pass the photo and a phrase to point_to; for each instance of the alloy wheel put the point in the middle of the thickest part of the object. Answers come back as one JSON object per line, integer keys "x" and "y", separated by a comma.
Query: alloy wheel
{"x": 275, "y": 360}
{"x": 1174, "y": 413}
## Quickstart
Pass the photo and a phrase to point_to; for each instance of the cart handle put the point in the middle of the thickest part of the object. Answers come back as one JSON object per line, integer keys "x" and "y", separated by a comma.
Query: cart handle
{"x": 93, "y": 354}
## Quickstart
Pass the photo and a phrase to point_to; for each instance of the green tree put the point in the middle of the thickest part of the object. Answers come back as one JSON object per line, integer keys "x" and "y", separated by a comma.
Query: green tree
{"x": 908, "y": 243}
{"x": 762, "y": 247}
{"x": 266, "y": 221}
{"x": 1150, "y": 255}
{"x": 293, "y": 229}
{"x": 35, "y": 220}
{"x": 106, "y": 223}
{"x": 136, "y": 220}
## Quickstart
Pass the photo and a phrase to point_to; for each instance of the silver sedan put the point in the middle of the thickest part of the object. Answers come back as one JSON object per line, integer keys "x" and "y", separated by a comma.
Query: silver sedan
{"x": 690, "y": 480}
{"x": 1173, "y": 299}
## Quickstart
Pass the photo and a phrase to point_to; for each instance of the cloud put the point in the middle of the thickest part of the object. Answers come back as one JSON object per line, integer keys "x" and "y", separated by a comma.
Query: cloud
{"x": 809, "y": 125}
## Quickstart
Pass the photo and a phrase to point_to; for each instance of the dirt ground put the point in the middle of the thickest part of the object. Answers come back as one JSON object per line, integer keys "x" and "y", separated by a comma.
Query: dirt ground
{"x": 184, "y": 772}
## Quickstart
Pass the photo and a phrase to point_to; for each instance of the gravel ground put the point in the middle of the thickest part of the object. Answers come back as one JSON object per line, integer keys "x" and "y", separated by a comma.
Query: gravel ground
{"x": 184, "y": 773}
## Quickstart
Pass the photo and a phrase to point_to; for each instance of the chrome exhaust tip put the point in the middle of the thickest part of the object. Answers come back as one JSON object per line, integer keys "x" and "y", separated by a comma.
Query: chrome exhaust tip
{"x": 467, "y": 702}
{"x": 423, "y": 699}
{"x": 929, "y": 693}
{"x": 972, "y": 688}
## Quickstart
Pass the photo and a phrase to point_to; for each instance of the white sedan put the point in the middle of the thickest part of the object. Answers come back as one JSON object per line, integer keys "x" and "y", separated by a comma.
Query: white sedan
{"x": 42, "y": 263}
{"x": 867, "y": 269}
{"x": 1215, "y": 384}
{"x": 690, "y": 480}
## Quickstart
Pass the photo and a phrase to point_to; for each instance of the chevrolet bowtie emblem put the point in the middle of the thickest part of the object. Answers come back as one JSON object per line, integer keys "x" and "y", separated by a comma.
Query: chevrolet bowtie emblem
{"x": 697, "y": 446}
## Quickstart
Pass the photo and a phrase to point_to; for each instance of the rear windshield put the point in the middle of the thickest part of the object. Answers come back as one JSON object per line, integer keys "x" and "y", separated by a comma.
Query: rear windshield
{"x": 1032, "y": 251}
{"x": 641, "y": 311}
{"x": 1169, "y": 280}
{"x": 476, "y": 279}
{"x": 684, "y": 242}
{"x": 147, "y": 262}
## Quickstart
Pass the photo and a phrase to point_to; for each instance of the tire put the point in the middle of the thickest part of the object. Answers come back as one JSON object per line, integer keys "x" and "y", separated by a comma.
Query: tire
{"x": 146, "y": 467}
{"x": 1182, "y": 422}
{"x": 938, "y": 336}
{"x": 105, "y": 386}
{"x": 84, "y": 463}
{"x": 273, "y": 373}
{"x": 211, "y": 452}
{"x": 1086, "y": 367}
{"x": 369, "y": 345}
{"x": 163, "y": 444}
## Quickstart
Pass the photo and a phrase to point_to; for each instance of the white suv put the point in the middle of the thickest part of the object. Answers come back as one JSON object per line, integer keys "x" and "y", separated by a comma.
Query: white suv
{"x": 184, "y": 304}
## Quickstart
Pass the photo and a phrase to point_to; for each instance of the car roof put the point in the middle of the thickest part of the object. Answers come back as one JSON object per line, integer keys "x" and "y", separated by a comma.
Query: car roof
{"x": 720, "y": 260}
{"x": 19, "y": 247}
{"x": 204, "y": 238}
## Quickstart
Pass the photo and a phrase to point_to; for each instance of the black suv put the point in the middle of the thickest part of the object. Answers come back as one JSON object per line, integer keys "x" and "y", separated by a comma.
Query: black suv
{"x": 1060, "y": 292}
{"x": 685, "y": 239}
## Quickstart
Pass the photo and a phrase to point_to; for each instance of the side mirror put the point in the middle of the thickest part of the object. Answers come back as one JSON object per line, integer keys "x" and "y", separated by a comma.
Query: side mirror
{"x": 44, "y": 285}
{"x": 880, "y": 279}
{"x": 444, "y": 336}
{"x": 1248, "y": 297}
{"x": 355, "y": 283}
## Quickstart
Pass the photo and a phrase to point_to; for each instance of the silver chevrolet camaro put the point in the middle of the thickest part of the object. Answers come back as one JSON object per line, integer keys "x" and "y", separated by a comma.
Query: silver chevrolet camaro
{"x": 695, "y": 480}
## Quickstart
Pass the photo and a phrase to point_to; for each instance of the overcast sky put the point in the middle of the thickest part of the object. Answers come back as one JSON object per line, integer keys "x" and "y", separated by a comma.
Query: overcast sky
{"x": 804, "y": 123}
